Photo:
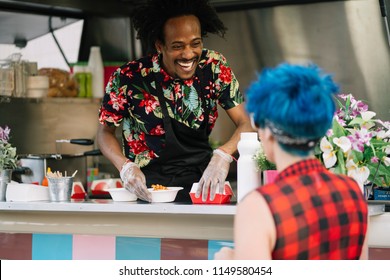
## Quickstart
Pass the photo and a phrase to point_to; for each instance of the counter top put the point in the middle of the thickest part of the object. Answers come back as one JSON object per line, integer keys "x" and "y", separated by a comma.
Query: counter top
{"x": 109, "y": 206}
{"x": 106, "y": 217}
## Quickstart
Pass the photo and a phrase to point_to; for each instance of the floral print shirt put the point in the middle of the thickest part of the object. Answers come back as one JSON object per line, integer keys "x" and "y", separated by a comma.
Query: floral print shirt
{"x": 131, "y": 99}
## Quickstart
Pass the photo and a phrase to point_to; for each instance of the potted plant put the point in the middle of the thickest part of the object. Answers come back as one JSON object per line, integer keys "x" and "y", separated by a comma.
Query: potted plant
{"x": 8, "y": 160}
{"x": 357, "y": 144}
{"x": 267, "y": 168}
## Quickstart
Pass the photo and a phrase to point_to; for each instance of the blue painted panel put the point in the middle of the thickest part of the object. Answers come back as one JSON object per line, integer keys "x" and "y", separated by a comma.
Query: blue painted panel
{"x": 52, "y": 246}
{"x": 215, "y": 245}
{"x": 135, "y": 248}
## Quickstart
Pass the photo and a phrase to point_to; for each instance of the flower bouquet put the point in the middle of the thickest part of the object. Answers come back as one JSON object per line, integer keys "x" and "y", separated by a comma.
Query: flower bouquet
{"x": 8, "y": 155}
{"x": 357, "y": 144}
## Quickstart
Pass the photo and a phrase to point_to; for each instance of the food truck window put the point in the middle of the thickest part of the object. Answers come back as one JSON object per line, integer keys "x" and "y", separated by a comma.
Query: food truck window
{"x": 44, "y": 49}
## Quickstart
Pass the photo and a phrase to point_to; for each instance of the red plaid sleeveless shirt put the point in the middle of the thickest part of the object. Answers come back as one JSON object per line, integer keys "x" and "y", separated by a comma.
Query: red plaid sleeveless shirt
{"x": 317, "y": 214}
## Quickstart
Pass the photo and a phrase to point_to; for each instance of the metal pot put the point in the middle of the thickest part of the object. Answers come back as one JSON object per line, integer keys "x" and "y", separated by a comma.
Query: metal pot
{"x": 33, "y": 167}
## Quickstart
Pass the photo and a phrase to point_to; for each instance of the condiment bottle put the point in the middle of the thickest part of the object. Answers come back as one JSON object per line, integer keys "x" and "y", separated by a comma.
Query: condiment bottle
{"x": 248, "y": 175}
{"x": 45, "y": 181}
{"x": 95, "y": 63}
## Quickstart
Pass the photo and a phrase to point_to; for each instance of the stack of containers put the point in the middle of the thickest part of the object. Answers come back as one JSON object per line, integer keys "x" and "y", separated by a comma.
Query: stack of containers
{"x": 95, "y": 64}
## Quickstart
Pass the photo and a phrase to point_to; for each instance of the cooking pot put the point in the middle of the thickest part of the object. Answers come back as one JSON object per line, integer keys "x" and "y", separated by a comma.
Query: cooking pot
{"x": 34, "y": 166}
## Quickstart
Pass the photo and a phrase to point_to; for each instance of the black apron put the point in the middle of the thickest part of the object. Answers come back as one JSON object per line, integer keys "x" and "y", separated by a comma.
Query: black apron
{"x": 186, "y": 153}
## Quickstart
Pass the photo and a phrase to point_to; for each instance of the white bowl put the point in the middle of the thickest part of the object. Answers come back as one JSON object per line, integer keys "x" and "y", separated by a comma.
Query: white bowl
{"x": 168, "y": 195}
{"x": 121, "y": 194}
{"x": 101, "y": 186}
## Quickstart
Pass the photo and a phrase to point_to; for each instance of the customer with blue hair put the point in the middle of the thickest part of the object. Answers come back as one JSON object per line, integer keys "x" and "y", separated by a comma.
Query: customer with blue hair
{"x": 307, "y": 212}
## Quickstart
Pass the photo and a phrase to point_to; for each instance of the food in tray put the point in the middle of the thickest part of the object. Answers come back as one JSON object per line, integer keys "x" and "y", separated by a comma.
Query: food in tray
{"x": 158, "y": 187}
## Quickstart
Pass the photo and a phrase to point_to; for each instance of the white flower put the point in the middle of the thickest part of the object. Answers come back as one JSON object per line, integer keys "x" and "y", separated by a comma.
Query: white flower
{"x": 325, "y": 145}
{"x": 329, "y": 156}
{"x": 386, "y": 161}
{"x": 329, "y": 159}
{"x": 357, "y": 143}
{"x": 367, "y": 119}
{"x": 343, "y": 142}
{"x": 368, "y": 115}
{"x": 360, "y": 174}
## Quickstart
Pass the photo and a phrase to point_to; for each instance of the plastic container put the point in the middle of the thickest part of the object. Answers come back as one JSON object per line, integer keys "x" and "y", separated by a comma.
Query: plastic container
{"x": 26, "y": 192}
{"x": 83, "y": 77}
{"x": 248, "y": 175}
{"x": 95, "y": 64}
{"x": 168, "y": 195}
{"x": 121, "y": 194}
{"x": 37, "y": 86}
{"x": 220, "y": 198}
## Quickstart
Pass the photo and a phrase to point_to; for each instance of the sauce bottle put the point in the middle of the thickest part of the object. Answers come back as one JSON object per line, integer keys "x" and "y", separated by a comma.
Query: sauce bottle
{"x": 248, "y": 175}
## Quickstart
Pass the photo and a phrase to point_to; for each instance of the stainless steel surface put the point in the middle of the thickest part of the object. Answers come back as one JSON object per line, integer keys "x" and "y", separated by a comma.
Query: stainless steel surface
{"x": 346, "y": 38}
{"x": 38, "y": 165}
{"x": 37, "y": 123}
{"x": 60, "y": 189}
{"x": 5, "y": 178}
{"x": 375, "y": 209}
{"x": 110, "y": 206}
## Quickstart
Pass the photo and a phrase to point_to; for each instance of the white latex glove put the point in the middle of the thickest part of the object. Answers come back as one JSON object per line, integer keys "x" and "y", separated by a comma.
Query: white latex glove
{"x": 134, "y": 181}
{"x": 213, "y": 178}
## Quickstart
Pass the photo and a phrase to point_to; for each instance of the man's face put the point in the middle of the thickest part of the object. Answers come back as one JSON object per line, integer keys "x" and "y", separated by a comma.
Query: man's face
{"x": 183, "y": 46}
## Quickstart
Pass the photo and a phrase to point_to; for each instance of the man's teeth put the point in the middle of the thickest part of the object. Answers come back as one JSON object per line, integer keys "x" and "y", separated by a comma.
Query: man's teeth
{"x": 186, "y": 64}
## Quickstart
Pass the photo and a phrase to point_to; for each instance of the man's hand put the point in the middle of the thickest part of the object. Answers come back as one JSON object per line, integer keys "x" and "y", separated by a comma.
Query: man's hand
{"x": 134, "y": 181}
{"x": 213, "y": 179}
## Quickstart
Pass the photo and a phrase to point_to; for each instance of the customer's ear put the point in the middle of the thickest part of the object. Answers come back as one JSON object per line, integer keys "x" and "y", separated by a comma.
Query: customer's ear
{"x": 268, "y": 135}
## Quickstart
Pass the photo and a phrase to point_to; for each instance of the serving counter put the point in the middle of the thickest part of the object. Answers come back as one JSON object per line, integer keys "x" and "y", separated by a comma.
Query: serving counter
{"x": 103, "y": 229}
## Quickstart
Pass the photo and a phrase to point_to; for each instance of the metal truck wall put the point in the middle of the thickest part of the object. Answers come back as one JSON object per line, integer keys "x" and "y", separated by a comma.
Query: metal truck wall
{"x": 346, "y": 38}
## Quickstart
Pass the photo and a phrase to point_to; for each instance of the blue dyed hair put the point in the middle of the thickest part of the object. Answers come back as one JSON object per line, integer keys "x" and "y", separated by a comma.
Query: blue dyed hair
{"x": 297, "y": 99}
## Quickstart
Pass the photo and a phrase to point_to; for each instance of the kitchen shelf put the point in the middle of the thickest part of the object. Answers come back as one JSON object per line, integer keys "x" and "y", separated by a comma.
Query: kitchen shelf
{"x": 52, "y": 100}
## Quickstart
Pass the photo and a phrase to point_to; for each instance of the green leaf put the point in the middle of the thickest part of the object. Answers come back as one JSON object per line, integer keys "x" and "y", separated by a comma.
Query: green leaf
{"x": 338, "y": 129}
{"x": 356, "y": 120}
{"x": 381, "y": 174}
{"x": 357, "y": 156}
{"x": 341, "y": 162}
{"x": 379, "y": 143}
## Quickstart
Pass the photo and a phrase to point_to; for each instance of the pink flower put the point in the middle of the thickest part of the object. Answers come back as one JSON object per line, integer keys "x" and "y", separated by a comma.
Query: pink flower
{"x": 374, "y": 159}
{"x": 4, "y": 134}
{"x": 359, "y": 138}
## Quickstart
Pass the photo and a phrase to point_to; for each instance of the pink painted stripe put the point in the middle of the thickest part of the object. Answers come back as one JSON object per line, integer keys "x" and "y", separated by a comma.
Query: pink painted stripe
{"x": 93, "y": 247}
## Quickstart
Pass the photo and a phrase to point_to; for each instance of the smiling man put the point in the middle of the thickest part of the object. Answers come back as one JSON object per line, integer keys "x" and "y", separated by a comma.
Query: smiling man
{"x": 167, "y": 102}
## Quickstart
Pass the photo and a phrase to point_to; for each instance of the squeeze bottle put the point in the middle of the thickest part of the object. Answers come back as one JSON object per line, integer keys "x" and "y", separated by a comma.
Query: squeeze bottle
{"x": 248, "y": 175}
